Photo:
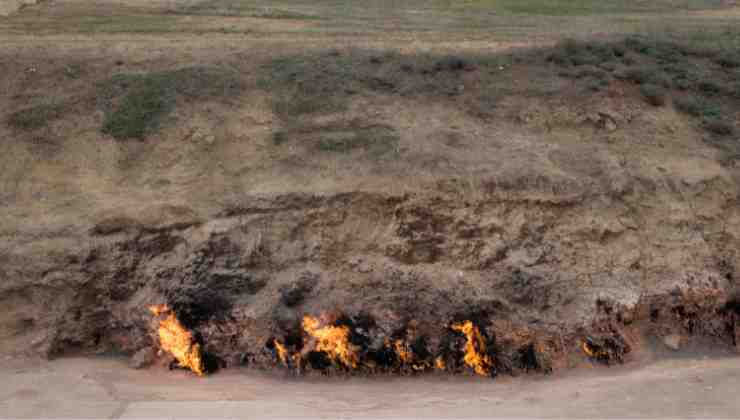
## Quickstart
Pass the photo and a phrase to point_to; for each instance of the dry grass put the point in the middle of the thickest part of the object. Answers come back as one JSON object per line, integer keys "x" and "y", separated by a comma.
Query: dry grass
{"x": 36, "y": 117}
{"x": 330, "y": 107}
{"x": 514, "y": 20}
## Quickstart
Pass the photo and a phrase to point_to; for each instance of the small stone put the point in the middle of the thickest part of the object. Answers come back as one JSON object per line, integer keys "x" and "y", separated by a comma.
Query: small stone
{"x": 673, "y": 342}
{"x": 201, "y": 135}
{"x": 610, "y": 125}
{"x": 142, "y": 358}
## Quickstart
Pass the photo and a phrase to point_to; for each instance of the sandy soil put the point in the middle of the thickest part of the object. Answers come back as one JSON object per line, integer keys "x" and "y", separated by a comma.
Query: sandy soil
{"x": 106, "y": 388}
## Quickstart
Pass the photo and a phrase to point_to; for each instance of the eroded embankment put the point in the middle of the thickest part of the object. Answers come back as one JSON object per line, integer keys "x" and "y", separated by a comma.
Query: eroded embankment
{"x": 501, "y": 283}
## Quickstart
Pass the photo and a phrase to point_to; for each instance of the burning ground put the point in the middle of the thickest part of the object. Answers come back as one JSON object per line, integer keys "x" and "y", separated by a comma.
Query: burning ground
{"x": 484, "y": 214}
{"x": 223, "y": 299}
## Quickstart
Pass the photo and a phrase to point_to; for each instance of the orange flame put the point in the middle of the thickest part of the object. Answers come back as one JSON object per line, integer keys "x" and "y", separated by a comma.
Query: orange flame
{"x": 475, "y": 348}
{"x": 593, "y": 353}
{"x": 439, "y": 363}
{"x": 332, "y": 340}
{"x": 282, "y": 352}
{"x": 178, "y": 341}
{"x": 404, "y": 353}
{"x": 407, "y": 357}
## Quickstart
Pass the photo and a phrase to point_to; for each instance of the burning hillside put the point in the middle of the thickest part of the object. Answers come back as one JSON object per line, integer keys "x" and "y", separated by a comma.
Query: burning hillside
{"x": 329, "y": 343}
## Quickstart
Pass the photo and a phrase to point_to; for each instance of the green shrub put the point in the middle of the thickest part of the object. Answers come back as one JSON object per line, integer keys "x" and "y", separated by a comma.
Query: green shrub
{"x": 375, "y": 140}
{"x": 141, "y": 109}
{"x": 136, "y": 104}
{"x": 654, "y": 95}
{"x": 729, "y": 59}
{"x": 697, "y": 107}
{"x": 578, "y": 53}
{"x": 609, "y": 66}
{"x": 646, "y": 75}
{"x": 594, "y": 85}
{"x": 709, "y": 87}
{"x": 629, "y": 60}
{"x": 734, "y": 90}
{"x": 719, "y": 127}
{"x": 637, "y": 44}
{"x": 280, "y": 137}
{"x": 662, "y": 51}
{"x": 454, "y": 63}
{"x": 592, "y": 72}
{"x": 35, "y": 117}
{"x": 682, "y": 83}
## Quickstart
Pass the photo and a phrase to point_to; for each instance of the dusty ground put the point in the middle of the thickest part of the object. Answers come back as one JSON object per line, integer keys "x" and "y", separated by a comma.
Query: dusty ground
{"x": 85, "y": 388}
{"x": 549, "y": 213}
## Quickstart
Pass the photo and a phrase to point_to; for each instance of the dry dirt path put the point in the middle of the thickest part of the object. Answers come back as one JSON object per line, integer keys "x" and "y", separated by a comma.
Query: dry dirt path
{"x": 106, "y": 388}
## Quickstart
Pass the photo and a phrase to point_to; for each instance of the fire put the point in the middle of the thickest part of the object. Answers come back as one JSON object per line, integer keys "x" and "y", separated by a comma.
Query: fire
{"x": 587, "y": 349}
{"x": 439, "y": 363}
{"x": 332, "y": 340}
{"x": 595, "y": 353}
{"x": 407, "y": 357}
{"x": 475, "y": 348}
{"x": 404, "y": 353}
{"x": 178, "y": 341}
{"x": 282, "y": 352}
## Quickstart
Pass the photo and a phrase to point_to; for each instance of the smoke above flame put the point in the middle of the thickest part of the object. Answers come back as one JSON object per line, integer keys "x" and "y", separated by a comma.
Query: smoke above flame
{"x": 476, "y": 355}
{"x": 175, "y": 339}
{"x": 332, "y": 340}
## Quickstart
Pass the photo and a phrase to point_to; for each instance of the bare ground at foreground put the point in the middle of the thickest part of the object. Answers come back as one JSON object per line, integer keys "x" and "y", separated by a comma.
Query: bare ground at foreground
{"x": 90, "y": 388}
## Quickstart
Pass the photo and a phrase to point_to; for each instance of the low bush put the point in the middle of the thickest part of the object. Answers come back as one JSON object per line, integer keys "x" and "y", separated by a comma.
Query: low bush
{"x": 729, "y": 59}
{"x": 136, "y": 104}
{"x": 697, "y": 107}
{"x": 646, "y": 75}
{"x": 35, "y": 117}
{"x": 719, "y": 127}
{"x": 709, "y": 87}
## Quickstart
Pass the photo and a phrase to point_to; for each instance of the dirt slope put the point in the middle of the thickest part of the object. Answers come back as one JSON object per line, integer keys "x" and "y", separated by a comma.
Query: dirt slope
{"x": 562, "y": 223}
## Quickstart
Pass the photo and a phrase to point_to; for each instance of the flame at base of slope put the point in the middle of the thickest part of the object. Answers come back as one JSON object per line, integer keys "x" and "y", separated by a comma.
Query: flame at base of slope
{"x": 332, "y": 340}
{"x": 407, "y": 357}
{"x": 175, "y": 339}
{"x": 476, "y": 355}
{"x": 282, "y": 352}
{"x": 439, "y": 363}
{"x": 591, "y": 352}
